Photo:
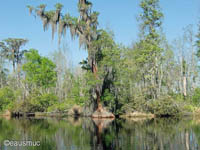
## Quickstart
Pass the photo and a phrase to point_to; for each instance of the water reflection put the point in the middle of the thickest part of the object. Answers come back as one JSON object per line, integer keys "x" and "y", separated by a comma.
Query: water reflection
{"x": 88, "y": 134}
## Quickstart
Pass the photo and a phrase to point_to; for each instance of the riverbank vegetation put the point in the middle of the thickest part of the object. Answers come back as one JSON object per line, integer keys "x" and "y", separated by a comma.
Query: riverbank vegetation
{"x": 152, "y": 75}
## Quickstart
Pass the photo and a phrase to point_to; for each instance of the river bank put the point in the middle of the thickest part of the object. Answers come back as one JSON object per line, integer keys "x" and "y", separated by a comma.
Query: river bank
{"x": 75, "y": 114}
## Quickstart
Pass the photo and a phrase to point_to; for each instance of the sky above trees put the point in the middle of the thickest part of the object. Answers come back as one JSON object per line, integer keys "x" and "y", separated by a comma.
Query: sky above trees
{"x": 117, "y": 15}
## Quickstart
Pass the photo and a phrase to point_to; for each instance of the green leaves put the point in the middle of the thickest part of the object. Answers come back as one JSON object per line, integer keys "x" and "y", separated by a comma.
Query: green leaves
{"x": 42, "y": 102}
{"x": 198, "y": 42}
{"x": 7, "y": 98}
{"x": 151, "y": 20}
{"x": 39, "y": 70}
{"x": 10, "y": 48}
{"x": 196, "y": 96}
{"x": 58, "y": 6}
{"x": 151, "y": 17}
{"x": 165, "y": 106}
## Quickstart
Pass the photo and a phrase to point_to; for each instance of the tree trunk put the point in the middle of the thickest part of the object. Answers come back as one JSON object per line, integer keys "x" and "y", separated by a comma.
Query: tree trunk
{"x": 184, "y": 86}
{"x": 13, "y": 65}
{"x": 100, "y": 112}
{"x": 98, "y": 94}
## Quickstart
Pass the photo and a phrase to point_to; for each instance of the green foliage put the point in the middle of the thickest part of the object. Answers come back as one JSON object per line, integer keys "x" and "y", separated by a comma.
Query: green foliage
{"x": 42, "y": 102}
{"x": 107, "y": 96}
{"x": 42, "y": 6}
{"x": 39, "y": 70}
{"x": 127, "y": 79}
{"x": 189, "y": 108}
{"x": 109, "y": 69}
{"x": 150, "y": 17}
{"x": 3, "y": 73}
{"x": 38, "y": 102}
{"x": 60, "y": 107}
{"x": 196, "y": 96}
{"x": 198, "y": 42}
{"x": 7, "y": 98}
{"x": 11, "y": 50}
{"x": 151, "y": 21}
{"x": 108, "y": 99}
{"x": 77, "y": 94}
{"x": 164, "y": 106}
{"x": 147, "y": 52}
{"x": 58, "y": 6}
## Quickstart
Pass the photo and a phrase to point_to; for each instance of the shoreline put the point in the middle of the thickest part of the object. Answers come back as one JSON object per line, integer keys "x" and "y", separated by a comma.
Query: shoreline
{"x": 64, "y": 115}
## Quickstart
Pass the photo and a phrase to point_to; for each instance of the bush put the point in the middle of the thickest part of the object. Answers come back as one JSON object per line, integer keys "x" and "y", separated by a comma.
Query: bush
{"x": 37, "y": 102}
{"x": 7, "y": 98}
{"x": 136, "y": 103}
{"x": 196, "y": 96}
{"x": 59, "y": 107}
{"x": 164, "y": 106}
{"x": 189, "y": 108}
{"x": 42, "y": 102}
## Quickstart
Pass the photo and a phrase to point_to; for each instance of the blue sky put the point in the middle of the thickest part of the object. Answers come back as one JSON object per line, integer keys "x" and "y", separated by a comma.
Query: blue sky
{"x": 118, "y": 15}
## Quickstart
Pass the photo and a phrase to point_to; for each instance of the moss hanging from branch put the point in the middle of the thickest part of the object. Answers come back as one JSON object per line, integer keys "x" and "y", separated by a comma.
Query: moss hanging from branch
{"x": 79, "y": 26}
{"x": 30, "y": 9}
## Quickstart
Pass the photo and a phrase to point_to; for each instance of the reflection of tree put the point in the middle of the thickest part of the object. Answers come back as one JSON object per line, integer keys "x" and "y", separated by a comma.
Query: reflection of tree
{"x": 87, "y": 134}
{"x": 28, "y": 129}
{"x": 8, "y": 130}
{"x": 38, "y": 128}
{"x": 104, "y": 138}
{"x": 196, "y": 129}
{"x": 74, "y": 133}
{"x": 158, "y": 134}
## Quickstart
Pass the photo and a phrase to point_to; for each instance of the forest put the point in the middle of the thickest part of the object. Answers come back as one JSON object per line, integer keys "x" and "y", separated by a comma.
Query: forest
{"x": 152, "y": 76}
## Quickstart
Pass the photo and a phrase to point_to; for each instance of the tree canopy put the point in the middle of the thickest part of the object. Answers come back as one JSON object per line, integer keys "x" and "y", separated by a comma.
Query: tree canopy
{"x": 10, "y": 48}
{"x": 39, "y": 70}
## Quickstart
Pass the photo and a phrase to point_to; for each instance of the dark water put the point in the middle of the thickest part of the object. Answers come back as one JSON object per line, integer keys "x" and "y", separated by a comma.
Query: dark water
{"x": 87, "y": 134}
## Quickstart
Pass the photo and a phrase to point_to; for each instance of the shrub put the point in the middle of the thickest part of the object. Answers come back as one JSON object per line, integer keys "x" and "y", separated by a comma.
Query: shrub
{"x": 196, "y": 96}
{"x": 189, "y": 108}
{"x": 7, "y": 98}
{"x": 164, "y": 106}
{"x": 59, "y": 107}
{"x": 42, "y": 102}
{"x": 38, "y": 102}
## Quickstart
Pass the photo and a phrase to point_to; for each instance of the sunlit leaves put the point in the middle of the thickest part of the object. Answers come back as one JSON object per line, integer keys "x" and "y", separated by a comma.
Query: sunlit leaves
{"x": 151, "y": 17}
{"x": 39, "y": 70}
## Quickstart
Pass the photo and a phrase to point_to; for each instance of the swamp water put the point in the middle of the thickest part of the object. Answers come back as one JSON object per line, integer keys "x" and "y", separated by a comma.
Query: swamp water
{"x": 88, "y": 134}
